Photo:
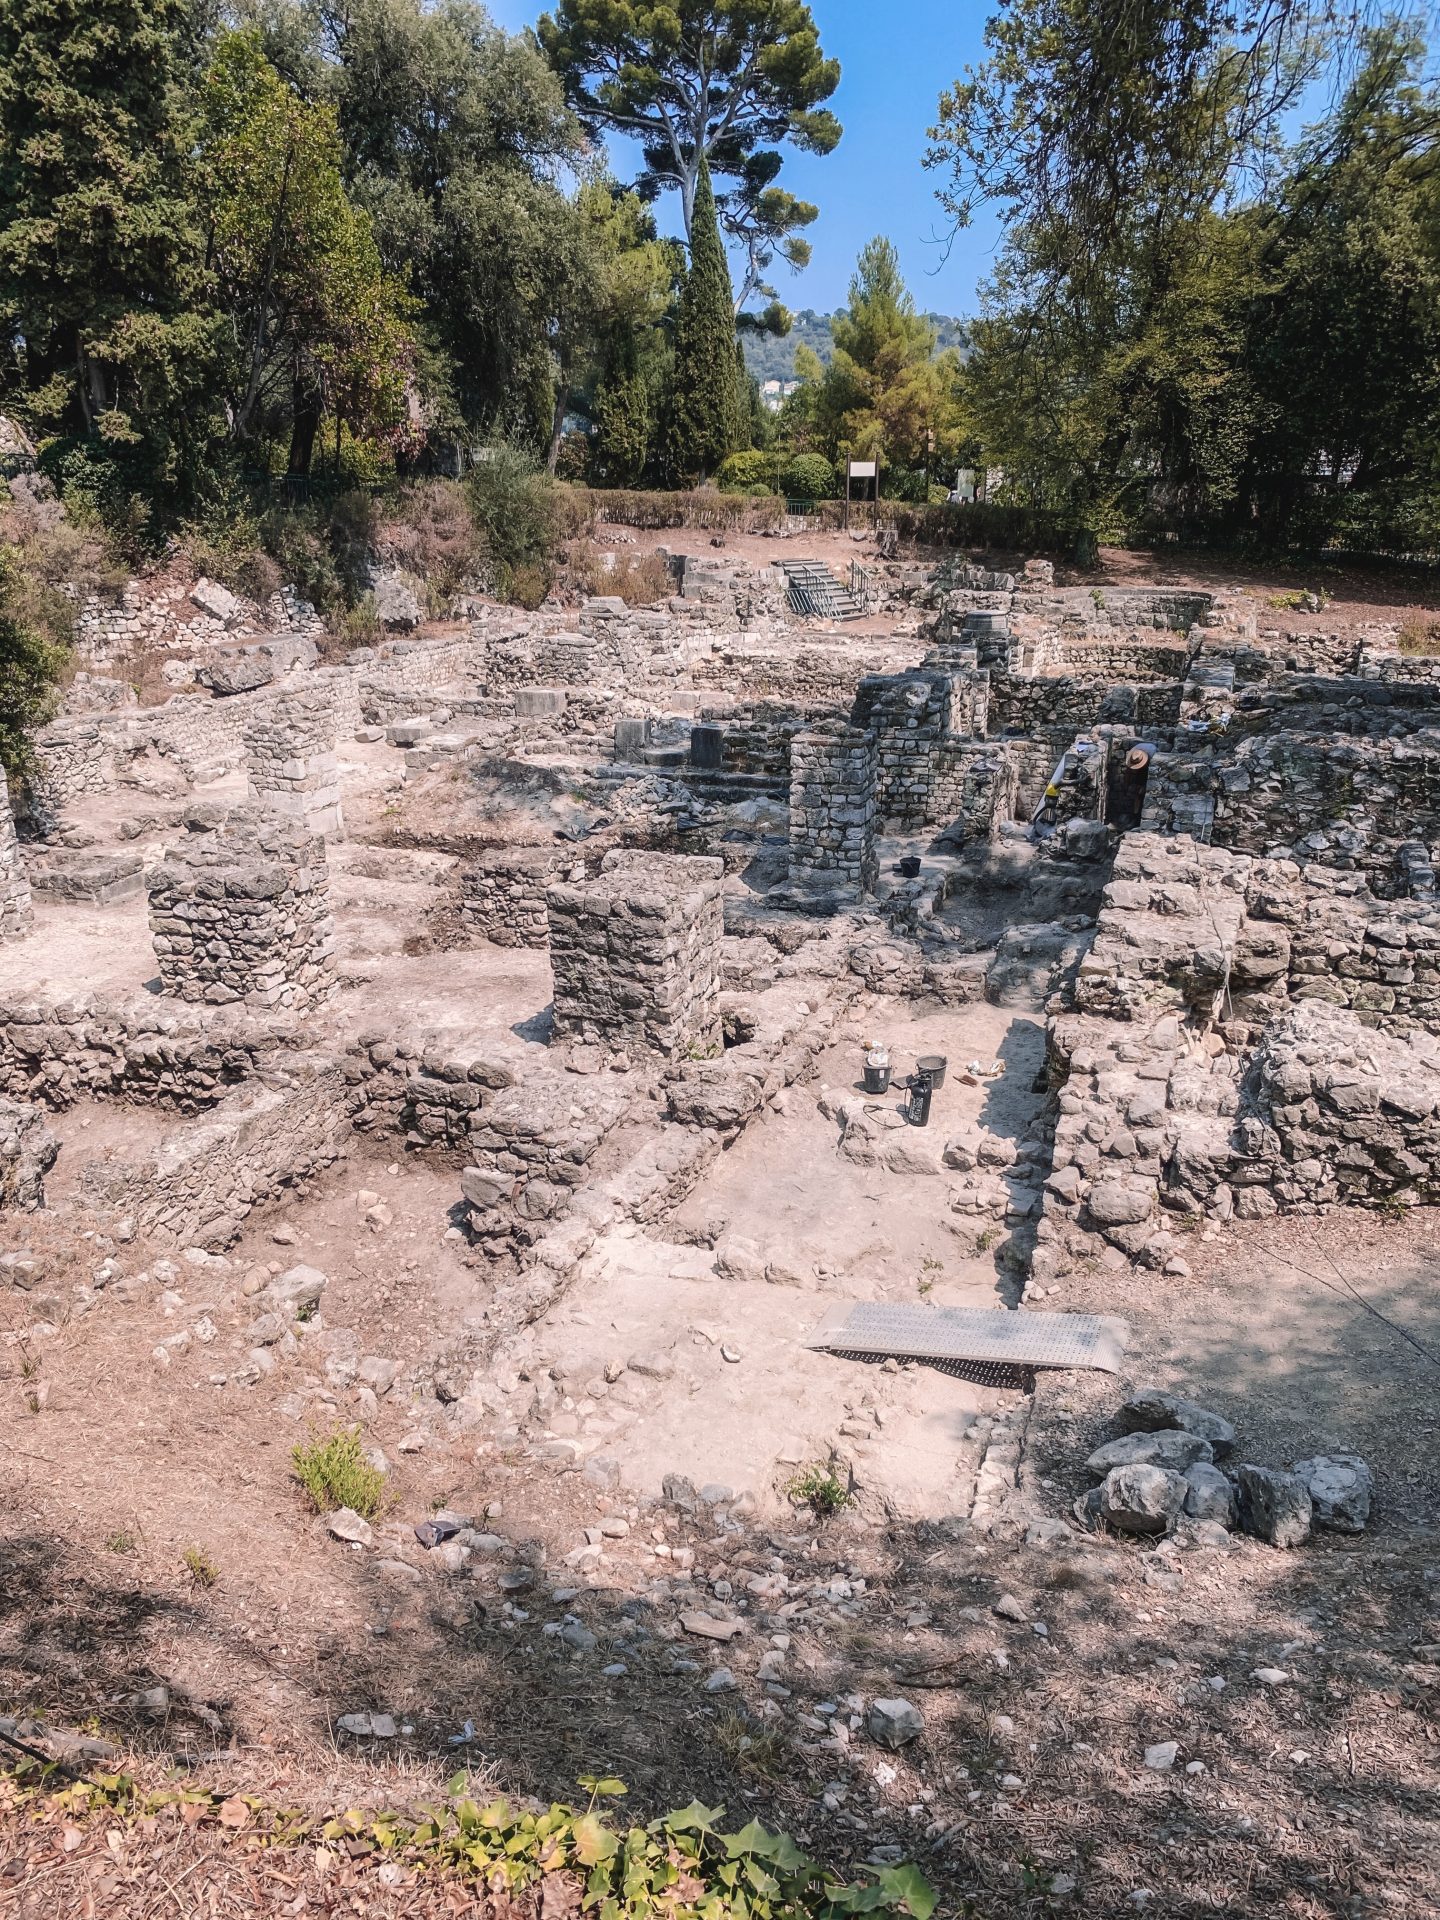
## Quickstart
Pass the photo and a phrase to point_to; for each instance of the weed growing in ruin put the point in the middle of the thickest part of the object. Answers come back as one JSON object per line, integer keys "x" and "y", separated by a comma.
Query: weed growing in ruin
{"x": 1394, "y": 1206}
{"x": 121, "y": 1542}
{"x": 1419, "y": 636}
{"x": 986, "y": 1239}
{"x": 820, "y": 1488}
{"x": 335, "y": 1473}
{"x": 200, "y": 1567}
{"x": 749, "y": 1748}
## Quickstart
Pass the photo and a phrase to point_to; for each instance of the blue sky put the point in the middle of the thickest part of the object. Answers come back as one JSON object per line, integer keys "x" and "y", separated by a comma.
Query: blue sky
{"x": 894, "y": 60}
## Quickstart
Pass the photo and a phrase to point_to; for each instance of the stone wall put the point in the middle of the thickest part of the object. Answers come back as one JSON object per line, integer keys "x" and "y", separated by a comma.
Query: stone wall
{"x": 1185, "y": 926}
{"x": 502, "y": 895}
{"x": 758, "y": 733}
{"x": 28, "y": 1150}
{"x": 197, "y": 1187}
{"x": 636, "y": 954}
{"x": 55, "y": 1052}
{"x": 525, "y": 1134}
{"x": 976, "y": 787}
{"x": 1349, "y": 803}
{"x": 244, "y": 914}
{"x": 16, "y": 914}
{"x": 911, "y": 715}
{"x": 832, "y": 812}
{"x": 1019, "y": 704}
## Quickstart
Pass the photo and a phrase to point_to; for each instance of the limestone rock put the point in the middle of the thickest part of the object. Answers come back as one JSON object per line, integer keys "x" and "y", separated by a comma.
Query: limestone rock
{"x": 347, "y": 1525}
{"x": 1274, "y": 1506}
{"x": 1340, "y": 1486}
{"x": 395, "y": 602}
{"x": 297, "y": 1291}
{"x": 210, "y": 597}
{"x": 894, "y": 1723}
{"x": 1209, "y": 1495}
{"x": 1152, "y": 1409}
{"x": 1113, "y": 1204}
{"x": 1140, "y": 1498}
{"x": 1176, "y": 1451}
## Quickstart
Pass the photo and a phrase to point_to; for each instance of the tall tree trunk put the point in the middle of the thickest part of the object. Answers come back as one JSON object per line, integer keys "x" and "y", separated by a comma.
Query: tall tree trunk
{"x": 557, "y": 425}
{"x": 304, "y": 424}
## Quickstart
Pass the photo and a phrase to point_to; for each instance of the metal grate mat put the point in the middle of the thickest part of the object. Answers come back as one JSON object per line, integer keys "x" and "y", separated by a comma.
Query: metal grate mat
{"x": 1026, "y": 1339}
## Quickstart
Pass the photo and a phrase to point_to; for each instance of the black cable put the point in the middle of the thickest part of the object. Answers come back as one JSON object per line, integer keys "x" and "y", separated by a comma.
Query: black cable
{"x": 1427, "y": 1353}
{"x": 34, "y": 1753}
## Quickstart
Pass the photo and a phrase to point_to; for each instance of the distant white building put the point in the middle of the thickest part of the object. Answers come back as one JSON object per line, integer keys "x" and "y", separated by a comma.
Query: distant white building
{"x": 774, "y": 393}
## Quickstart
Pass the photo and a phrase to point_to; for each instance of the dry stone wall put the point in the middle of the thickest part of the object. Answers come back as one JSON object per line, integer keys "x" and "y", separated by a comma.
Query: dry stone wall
{"x": 502, "y": 895}
{"x": 290, "y": 761}
{"x": 16, "y": 913}
{"x": 197, "y": 1187}
{"x": 54, "y": 1052}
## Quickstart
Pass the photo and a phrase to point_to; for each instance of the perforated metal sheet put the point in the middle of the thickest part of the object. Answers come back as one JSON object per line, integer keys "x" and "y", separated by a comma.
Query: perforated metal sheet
{"x": 871, "y": 1328}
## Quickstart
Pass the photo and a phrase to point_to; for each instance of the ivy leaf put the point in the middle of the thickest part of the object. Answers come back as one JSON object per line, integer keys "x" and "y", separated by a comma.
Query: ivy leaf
{"x": 593, "y": 1841}
{"x": 607, "y": 1788}
{"x": 908, "y": 1885}
{"x": 695, "y": 1818}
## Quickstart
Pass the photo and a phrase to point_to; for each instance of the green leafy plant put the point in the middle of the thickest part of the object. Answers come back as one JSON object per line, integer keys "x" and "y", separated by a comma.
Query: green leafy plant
{"x": 820, "y": 1488}
{"x": 120, "y": 1542}
{"x": 200, "y": 1567}
{"x": 682, "y": 1863}
{"x": 335, "y": 1473}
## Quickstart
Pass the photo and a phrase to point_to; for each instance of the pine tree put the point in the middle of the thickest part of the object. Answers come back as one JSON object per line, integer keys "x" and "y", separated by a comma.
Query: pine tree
{"x": 702, "y": 395}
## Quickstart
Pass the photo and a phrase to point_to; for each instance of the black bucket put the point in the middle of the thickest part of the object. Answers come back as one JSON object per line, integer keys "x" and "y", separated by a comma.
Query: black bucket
{"x": 910, "y": 866}
{"x": 877, "y": 1079}
{"x": 933, "y": 1066}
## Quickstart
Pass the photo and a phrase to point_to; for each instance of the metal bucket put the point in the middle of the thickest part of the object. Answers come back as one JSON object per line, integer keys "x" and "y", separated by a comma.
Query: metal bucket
{"x": 932, "y": 1064}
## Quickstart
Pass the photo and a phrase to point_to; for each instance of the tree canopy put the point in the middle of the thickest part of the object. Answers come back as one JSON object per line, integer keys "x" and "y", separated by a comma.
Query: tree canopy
{"x": 724, "y": 82}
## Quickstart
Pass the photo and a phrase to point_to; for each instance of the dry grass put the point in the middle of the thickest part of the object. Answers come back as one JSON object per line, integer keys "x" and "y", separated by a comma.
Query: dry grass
{"x": 1419, "y": 636}
{"x": 639, "y": 579}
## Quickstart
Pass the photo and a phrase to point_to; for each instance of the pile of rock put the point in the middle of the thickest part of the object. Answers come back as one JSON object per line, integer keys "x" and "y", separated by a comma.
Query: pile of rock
{"x": 1160, "y": 1477}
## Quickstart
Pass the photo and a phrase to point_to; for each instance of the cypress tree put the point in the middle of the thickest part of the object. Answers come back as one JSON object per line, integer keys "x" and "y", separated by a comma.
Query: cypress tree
{"x": 701, "y": 427}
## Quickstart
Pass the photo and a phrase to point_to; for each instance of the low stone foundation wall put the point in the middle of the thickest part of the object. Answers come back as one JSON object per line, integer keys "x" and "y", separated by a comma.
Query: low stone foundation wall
{"x": 197, "y": 1188}
{"x": 54, "y": 1052}
{"x": 502, "y": 896}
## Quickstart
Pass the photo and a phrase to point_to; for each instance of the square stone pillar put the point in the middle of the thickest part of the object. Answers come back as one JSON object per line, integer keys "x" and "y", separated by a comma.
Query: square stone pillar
{"x": 290, "y": 760}
{"x": 244, "y": 914}
{"x": 832, "y": 811}
{"x": 636, "y": 954}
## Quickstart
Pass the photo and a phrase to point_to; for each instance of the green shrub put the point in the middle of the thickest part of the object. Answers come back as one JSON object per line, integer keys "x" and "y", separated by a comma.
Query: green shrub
{"x": 809, "y": 476}
{"x": 200, "y": 1567}
{"x": 751, "y": 472}
{"x": 573, "y": 462}
{"x": 819, "y": 1487}
{"x": 910, "y": 484}
{"x": 335, "y": 1473}
{"x": 513, "y": 500}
